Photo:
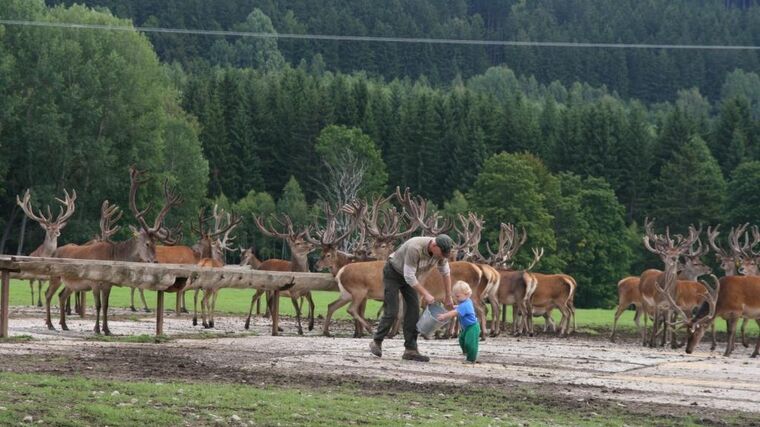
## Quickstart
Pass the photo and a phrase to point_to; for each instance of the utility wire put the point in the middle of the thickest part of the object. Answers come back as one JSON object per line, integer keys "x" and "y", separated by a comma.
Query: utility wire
{"x": 377, "y": 39}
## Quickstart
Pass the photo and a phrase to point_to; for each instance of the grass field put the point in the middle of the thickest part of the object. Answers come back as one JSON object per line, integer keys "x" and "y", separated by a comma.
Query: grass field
{"x": 237, "y": 301}
{"x": 74, "y": 401}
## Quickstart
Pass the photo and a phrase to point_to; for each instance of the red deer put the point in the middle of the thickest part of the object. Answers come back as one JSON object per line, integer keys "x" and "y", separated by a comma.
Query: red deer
{"x": 219, "y": 246}
{"x": 180, "y": 254}
{"x": 299, "y": 251}
{"x": 140, "y": 248}
{"x": 629, "y": 294}
{"x": 516, "y": 287}
{"x": 52, "y": 230}
{"x": 654, "y": 301}
{"x": 733, "y": 297}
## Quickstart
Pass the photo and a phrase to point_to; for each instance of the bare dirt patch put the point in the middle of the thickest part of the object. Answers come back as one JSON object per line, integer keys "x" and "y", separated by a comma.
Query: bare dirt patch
{"x": 576, "y": 373}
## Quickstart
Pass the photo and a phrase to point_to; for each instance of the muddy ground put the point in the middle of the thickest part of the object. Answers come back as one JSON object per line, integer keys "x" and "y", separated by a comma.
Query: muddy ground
{"x": 581, "y": 371}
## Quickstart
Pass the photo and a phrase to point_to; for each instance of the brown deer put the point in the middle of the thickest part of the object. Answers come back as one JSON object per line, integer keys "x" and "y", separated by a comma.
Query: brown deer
{"x": 516, "y": 287}
{"x": 180, "y": 254}
{"x": 299, "y": 251}
{"x": 652, "y": 280}
{"x": 140, "y": 248}
{"x": 733, "y": 297}
{"x": 52, "y": 229}
{"x": 629, "y": 294}
{"x": 220, "y": 245}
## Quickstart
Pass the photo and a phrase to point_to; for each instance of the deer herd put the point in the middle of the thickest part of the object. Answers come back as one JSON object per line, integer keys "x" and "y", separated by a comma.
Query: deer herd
{"x": 355, "y": 240}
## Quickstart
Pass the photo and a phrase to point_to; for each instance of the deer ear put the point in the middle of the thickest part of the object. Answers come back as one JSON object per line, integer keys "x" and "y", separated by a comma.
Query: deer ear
{"x": 135, "y": 231}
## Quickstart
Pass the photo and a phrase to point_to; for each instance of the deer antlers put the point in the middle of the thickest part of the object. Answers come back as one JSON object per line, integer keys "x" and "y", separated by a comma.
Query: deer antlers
{"x": 171, "y": 199}
{"x": 285, "y": 222}
{"x": 47, "y": 220}
{"x": 108, "y": 214}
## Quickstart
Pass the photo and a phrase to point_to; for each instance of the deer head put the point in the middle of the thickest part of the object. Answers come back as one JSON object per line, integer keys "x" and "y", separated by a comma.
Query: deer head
{"x": 299, "y": 246}
{"x": 51, "y": 226}
{"x": 144, "y": 245}
{"x": 743, "y": 251}
{"x": 728, "y": 260}
{"x": 224, "y": 224}
{"x": 329, "y": 240}
{"x": 693, "y": 266}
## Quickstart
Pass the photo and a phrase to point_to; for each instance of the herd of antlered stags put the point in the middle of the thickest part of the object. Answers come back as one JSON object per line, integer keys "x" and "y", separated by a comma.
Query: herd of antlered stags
{"x": 355, "y": 240}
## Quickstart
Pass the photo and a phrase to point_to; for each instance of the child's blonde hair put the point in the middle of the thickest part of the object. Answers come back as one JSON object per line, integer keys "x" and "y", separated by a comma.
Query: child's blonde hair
{"x": 462, "y": 287}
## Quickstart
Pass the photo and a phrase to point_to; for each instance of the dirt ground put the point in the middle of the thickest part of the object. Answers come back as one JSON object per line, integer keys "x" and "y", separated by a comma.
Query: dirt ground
{"x": 578, "y": 371}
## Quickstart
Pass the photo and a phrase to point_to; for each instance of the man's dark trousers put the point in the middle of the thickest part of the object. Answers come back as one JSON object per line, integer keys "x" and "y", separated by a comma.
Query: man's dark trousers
{"x": 394, "y": 283}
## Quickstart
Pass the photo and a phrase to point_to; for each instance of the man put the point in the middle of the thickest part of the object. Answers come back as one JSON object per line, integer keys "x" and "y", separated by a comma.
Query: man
{"x": 409, "y": 262}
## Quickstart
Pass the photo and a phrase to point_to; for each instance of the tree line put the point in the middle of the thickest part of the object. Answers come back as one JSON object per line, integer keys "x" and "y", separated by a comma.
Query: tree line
{"x": 577, "y": 165}
{"x": 649, "y": 75}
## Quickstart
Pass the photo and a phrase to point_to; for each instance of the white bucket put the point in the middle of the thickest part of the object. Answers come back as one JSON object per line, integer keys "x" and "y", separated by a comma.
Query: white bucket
{"x": 428, "y": 322}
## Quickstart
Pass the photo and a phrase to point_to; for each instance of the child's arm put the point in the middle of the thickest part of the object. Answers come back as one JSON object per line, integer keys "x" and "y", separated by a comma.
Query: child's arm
{"x": 447, "y": 315}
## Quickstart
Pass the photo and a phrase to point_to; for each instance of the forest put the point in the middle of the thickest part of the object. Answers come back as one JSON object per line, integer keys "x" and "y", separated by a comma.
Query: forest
{"x": 576, "y": 145}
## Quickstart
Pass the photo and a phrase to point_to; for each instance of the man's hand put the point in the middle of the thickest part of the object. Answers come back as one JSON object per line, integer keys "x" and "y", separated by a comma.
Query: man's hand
{"x": 429, "y": 298}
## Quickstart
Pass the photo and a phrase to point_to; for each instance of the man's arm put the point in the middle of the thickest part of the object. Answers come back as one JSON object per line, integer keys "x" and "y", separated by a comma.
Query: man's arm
{"x": 410, "y": 275}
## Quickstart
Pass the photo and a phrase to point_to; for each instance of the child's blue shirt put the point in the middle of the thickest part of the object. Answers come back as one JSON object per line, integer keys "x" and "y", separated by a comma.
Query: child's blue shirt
{"x": 466, "y": 312}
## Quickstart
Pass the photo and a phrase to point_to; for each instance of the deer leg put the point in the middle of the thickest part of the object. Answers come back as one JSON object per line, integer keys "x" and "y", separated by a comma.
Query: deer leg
{"x": 757, "y": 344}
{"x": 54, "y": 284}
{"x": 731, "y": 323}
{"x": 63, "y": 296}
{"x": 549, "y": 323}
{"x": 353, "y": 311}
{"x": 96, "y": 297}
{"x": 714, "y": 341}
{"x": 655, "y": 325}
{"x": 184, "y": 306}
{"x": 620, "y": 309}
{"x": 745, "y": 340}
{"x": 528, "y": 315}
{"x": 213, "y": 306}
{"x": 480, "y": 310}
{"x": 358, "y": 330}
{"x": 255, "y": 299}
{"x": 297, "y": 306}
{"x": 204, "y": 304}
{"x": 144, "y": 303}
{"x": 105, "y": 295}
{"x": 195, "y": 307}
{"x": 310, "y": 300}
{"x": 40, "y": 283}
{"x": 340, "y": 302}
{"x": 495, "y": 322}
{"x": 132, "y": 299}
{"x": 31, "y": 286}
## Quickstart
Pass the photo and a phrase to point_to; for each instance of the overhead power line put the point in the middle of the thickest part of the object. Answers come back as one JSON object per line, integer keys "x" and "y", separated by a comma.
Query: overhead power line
{"x": 377, "y": 39}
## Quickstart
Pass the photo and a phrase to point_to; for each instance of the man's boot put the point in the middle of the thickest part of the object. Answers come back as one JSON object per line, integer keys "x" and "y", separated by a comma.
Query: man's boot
{"x": 376, "y": 347}
{"x": 415, "y": 356}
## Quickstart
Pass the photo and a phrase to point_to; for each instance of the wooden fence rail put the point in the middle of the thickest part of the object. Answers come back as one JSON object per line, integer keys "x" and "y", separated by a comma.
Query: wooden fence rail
{"x": 154, "y": 277}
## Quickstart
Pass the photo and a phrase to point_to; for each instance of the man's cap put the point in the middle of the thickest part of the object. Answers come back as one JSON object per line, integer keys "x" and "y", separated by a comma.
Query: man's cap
{"x": 444, "y": 242}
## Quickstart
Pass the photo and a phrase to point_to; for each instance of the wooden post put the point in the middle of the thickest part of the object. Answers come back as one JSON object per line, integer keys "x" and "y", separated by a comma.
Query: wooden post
{"x": 4, "y": 301}
{"x": 160, "y": 314}
{"x": 274, "y": 310}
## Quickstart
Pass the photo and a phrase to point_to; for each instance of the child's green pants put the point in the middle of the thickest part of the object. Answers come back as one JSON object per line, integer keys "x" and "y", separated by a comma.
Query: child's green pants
{"x": 468, "y": 340}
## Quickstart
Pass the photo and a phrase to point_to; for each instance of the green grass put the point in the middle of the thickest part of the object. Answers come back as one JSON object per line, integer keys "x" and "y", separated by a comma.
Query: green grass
{"x": 75, "y": 401}
{"x": 237, "y": 301}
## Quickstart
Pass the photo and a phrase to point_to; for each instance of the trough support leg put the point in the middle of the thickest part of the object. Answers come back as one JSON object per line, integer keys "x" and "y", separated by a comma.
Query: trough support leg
{"x": 160, "y": 314}
{"x": 4, "y": 301}
{"x": 275, "y": 310}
